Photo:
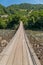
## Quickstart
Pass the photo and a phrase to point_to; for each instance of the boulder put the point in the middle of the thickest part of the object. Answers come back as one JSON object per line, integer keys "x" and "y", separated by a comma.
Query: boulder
{"x": 4, "y": 43}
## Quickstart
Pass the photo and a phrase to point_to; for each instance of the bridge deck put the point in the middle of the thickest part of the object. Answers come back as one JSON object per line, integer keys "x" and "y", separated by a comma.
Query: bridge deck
{"x": 19, "y": 51}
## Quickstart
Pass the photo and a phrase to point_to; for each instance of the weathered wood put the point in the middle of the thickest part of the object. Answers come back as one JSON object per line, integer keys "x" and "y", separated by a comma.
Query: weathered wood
{"x": 19, "y": 51}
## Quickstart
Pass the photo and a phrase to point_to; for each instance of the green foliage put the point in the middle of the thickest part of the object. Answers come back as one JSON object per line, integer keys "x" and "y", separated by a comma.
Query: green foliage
{"x": 12, "y": 23}
{"x": 33, "y": 20}
{"x": 17, "y": 7}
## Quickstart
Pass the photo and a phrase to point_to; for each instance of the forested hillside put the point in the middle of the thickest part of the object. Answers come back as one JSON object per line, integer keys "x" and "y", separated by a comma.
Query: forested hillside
{"x": 30, "y": 14}
{"x": 26, "y": 6}
{"x": 11, "y": 9}
{"x": 3, "y": 10}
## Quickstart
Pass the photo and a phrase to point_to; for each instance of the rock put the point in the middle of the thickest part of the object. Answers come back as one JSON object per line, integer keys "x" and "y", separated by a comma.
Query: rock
{"x": 39, "y": 51}
{"x": 41, "y": 44}
{"x": 35, "y": 45}
{"x": 39, "y": 57}
{"x": 4, "y": 43}
{"x": 38, "y": 46}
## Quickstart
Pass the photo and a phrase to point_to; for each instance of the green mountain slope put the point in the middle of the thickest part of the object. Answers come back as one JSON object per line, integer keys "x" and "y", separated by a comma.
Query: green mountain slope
{"x": 16, "y": 7}
{"x": 24, "y": 6}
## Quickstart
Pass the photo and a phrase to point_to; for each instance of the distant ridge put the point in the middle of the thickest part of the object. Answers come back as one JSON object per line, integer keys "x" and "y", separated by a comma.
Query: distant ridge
{"x": 11, "y": 8}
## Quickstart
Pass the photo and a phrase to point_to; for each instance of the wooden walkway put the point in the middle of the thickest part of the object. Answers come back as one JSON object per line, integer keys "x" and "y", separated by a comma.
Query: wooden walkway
{"x": 19, "y": 50}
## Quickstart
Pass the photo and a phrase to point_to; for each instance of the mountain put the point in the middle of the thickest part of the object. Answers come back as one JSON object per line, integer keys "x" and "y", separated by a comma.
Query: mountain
{"x": 16, "y": 7}
{"x": 3, "y": 10}
{"x": 26, "y": 6}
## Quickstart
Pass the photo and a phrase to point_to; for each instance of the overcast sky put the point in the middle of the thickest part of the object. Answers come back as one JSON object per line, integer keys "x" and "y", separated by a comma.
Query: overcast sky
{"x": 10, "y": 2}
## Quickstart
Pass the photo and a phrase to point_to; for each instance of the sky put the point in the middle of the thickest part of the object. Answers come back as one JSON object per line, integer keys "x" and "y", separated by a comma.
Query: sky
{"x": 10, "y": 2}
